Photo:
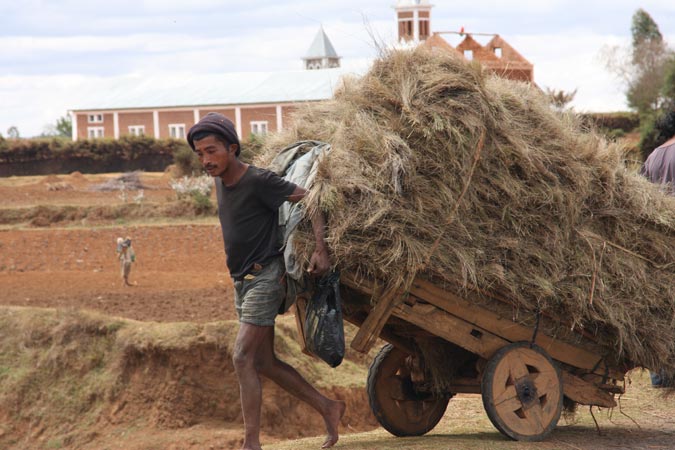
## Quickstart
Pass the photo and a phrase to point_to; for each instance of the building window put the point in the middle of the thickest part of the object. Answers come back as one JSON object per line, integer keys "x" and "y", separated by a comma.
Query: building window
{"x": 498, "y": 52}
{"x": 137, "y": 130}
{"x": 95, "y": 118}
{"x": 259, "y": 127}
{"x": 468, "y": 54}
{"x": 94, "y": 132}
{"x": 177, "y": 130}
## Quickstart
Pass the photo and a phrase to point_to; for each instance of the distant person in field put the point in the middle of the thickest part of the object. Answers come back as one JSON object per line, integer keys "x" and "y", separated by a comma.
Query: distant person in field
{"x": 659, "y": 167}
{"x": 127, "y": 257}
{"x": 248, "y": 207}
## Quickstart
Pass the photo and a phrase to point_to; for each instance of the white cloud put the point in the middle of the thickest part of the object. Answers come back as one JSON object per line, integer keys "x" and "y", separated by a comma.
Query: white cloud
{"x": 51, "y": 51}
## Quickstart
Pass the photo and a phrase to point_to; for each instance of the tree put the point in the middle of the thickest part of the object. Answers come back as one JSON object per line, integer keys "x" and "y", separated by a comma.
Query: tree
{"x": 642, "y": 66}
{"x": 644, "y": 29}
{"x": 64, "y": 126}
{"x": 649, "y": 57}
{"x": 13, "y": 132}
{"x": 668, "y": 88}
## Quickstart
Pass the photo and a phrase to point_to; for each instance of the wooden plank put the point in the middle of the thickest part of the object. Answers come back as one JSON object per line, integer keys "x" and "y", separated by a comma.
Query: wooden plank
{"x": 464, "y": 386}
{"x": 585, "y": 393}
{"x": 397, "y": 341}
{"x": 507, "y": 329}
{"x": 300, "y": 314}
{"x": 377, "y": 318}
{"x": 455, "y": 330}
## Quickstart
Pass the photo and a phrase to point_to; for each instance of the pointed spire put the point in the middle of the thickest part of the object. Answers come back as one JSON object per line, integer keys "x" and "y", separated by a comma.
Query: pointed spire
{"x": 321, "y": 54}
{"x": 321, "y": 47}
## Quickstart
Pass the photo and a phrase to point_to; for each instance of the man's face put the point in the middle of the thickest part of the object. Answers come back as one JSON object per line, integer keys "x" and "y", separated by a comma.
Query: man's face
{"x": 214, "y": 155}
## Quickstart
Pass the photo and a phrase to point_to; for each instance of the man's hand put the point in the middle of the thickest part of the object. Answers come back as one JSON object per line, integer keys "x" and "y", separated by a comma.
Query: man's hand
{"x": 319, "y": 263}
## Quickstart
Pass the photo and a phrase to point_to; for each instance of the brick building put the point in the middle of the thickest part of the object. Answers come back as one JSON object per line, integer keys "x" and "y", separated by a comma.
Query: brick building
{"x": 258, "y": 103}
{"x": 414, "y": 25}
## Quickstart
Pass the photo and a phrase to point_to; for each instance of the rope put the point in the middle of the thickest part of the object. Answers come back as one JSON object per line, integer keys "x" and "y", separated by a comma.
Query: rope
{"x": 536, "y": 327}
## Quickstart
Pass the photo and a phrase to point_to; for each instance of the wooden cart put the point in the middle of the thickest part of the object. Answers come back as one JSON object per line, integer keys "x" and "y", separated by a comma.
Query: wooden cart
{"x": 522, "y": 374}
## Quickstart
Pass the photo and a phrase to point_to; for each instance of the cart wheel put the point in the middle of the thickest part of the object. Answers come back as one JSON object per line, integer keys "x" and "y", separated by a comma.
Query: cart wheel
{"x": 522, "y": 392}
{"x": 396, "y": 405}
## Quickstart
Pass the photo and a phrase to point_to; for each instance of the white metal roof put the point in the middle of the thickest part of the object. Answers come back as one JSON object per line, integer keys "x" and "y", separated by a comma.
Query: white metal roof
{"x": 236, "y": 88}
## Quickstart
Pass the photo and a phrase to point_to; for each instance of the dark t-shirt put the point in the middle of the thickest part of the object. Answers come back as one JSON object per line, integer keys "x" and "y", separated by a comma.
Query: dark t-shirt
{"x": 249, "y": 218}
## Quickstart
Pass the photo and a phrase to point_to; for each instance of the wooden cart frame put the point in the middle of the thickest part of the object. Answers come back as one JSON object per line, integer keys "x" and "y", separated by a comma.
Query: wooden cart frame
{"x": 522, "y": 374}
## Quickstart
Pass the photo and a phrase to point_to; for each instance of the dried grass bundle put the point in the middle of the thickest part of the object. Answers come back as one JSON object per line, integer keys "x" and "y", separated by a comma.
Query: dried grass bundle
{"x": 440, "y": 170}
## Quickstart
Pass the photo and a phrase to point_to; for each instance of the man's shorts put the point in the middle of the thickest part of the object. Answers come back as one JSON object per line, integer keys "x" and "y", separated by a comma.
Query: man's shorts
{"x": 257, "y": 300}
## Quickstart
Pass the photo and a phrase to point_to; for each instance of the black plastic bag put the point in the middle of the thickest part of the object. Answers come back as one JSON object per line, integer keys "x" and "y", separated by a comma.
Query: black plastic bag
{"x": 324, "y": 330}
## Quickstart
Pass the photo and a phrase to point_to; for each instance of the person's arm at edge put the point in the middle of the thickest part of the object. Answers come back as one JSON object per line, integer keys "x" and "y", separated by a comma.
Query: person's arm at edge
{"x": 319, "y": 263}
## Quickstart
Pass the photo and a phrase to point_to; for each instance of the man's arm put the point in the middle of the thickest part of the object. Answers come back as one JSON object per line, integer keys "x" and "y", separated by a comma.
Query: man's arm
{"x": 319, "y": 263}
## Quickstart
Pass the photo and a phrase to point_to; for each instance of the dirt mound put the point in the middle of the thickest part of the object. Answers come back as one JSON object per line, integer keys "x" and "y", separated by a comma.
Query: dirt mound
{"x": 81, "y": 373}
{"x": 130, "y": 181}
{"x": 50, "y": 179}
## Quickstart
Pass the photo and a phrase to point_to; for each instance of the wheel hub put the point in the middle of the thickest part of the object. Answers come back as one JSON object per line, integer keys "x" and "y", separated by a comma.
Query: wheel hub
{"x": 526, "y": 391}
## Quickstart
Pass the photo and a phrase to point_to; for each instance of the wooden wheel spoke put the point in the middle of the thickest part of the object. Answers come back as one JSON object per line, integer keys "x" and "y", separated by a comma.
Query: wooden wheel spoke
{"x": 509, "y": 406}
{"x": 508, "y": 394}
{"x": 534, "y": 417}
{"x": 517, "y": 367}
{"x": 414, "y": 411}
{"x": 394, "y": 386}
{"x": 546, "y": 382}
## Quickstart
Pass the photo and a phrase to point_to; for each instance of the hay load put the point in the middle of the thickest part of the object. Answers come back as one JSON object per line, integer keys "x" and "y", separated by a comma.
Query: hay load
{"x": 440, "y": 170}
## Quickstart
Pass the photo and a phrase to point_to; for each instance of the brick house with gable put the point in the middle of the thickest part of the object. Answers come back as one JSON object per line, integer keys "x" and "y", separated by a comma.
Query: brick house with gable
{"x": 414, "y": 23}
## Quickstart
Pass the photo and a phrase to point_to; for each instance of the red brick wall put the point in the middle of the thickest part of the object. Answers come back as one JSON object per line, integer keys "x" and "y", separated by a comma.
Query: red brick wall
{"x": 83, "y": 124}
{"x": 515, "y": 74}
{"x": 81, "y": 120}
{"x": 108, "y": 125}
{"x": 186, "y": 117}
{"x": 227, "y": 112}
{"x": 127, "y": 119}
{"x": 257, "y": 114}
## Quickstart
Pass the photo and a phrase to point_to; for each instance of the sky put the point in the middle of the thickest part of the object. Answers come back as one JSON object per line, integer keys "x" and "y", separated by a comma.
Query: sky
{"x": 55, "y": 53}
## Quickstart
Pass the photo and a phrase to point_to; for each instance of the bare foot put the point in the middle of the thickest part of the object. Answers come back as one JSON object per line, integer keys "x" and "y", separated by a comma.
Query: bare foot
{"x": 332, "y": 420}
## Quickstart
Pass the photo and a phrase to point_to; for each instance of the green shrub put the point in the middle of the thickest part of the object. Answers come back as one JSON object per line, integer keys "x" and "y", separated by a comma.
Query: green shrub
{"x": 201, "y": 203}
{"x": 649, "y": 135}
{"x": 625, "y": 121}
{"x": 186, "y": 161}
{"x": 127, "y": 148}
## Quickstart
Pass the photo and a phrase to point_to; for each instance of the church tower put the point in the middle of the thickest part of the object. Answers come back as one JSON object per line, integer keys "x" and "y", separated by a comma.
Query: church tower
{"x": 414, "y": 20}
{"x": 321, "y": 54}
